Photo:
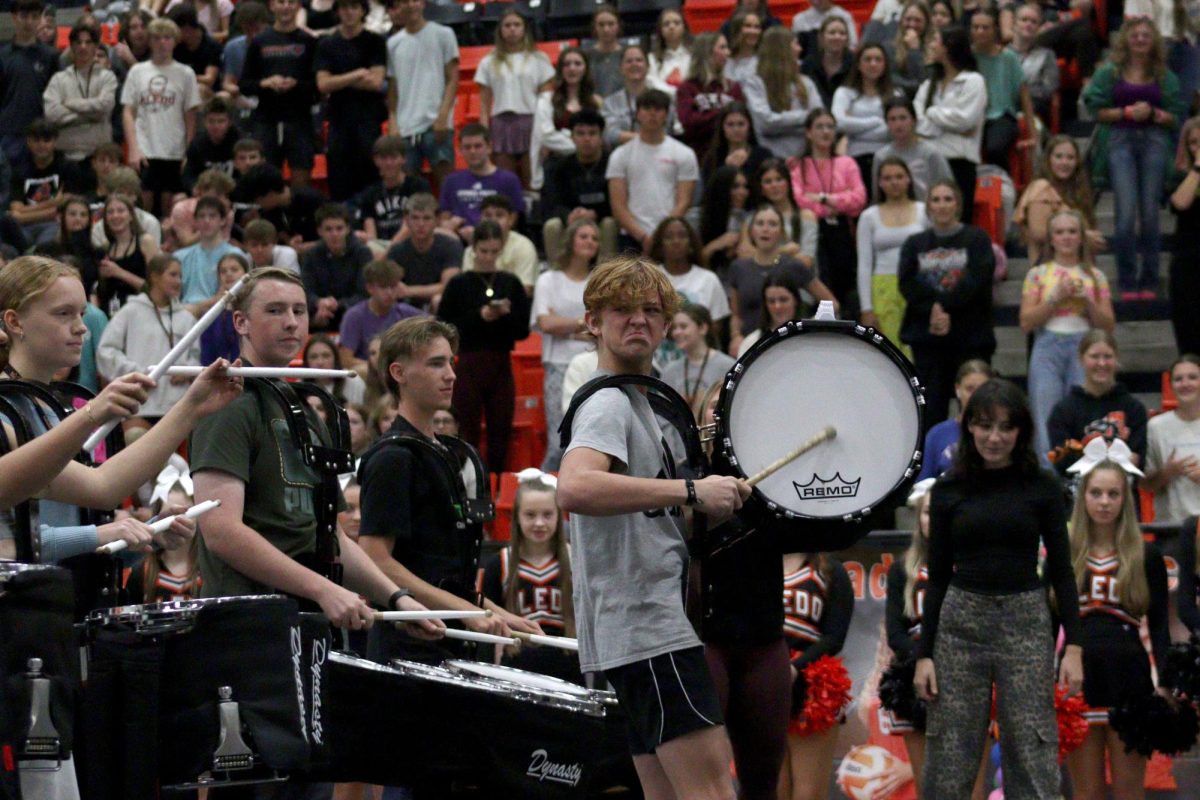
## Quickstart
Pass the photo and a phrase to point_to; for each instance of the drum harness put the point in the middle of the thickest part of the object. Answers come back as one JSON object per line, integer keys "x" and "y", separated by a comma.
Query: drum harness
{"x": 470, "y": 513}
{"x": 51, "y": 679}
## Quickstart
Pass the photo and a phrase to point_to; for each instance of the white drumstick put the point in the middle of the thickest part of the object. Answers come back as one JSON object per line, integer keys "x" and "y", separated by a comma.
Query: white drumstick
{"x": 828, "y": 433}
{"x": 561, "y": 642}
{"x": 417, "y": 616}
{"x": 299, "y": 373}
{"x": 472, "y": 636}
{"x": 161, "y": 525}
{"x": 175, "y": 353}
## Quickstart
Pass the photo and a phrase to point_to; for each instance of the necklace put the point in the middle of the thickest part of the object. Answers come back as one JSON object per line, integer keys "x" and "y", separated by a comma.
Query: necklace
{"x": 489, "y": 291}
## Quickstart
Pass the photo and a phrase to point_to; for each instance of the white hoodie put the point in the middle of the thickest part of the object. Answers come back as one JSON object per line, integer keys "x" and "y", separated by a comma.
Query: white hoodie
{"x": 137, "y": 337}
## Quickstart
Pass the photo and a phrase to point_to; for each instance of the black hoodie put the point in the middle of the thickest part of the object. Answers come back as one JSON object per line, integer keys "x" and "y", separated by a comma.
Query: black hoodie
{"x": 1082, "y": 417}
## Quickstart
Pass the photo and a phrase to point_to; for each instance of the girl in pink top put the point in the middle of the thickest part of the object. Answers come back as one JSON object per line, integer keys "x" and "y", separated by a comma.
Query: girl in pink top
{"x": 831, "y": 187}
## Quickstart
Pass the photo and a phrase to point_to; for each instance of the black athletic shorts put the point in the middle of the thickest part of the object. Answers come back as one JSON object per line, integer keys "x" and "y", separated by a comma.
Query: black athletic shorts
{"x": 666, "y": 697}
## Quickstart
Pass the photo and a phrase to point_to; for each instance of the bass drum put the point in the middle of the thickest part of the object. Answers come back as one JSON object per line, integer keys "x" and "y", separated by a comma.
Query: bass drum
{"x": 805, "y": 376}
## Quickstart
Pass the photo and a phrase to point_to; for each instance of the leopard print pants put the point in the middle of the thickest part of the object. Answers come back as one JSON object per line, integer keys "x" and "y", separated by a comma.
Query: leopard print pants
{"x": 984, "y": 640}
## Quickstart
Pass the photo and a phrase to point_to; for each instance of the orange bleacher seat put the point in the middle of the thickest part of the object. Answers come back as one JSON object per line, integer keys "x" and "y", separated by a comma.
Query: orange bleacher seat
{"x": 528, "y": 372}
{"x": 989, "y": 208}
{"x": 1169, "y": 401}
{"x": 530, "y": 345}
{"x": 110, "y": 33}
{"x": 859, "y": 9}
{"x": 784, "y": 10}
{"x": 1146, "y": 505}
{"x": 64, "y": 37}
{"x": 468, "y": 60}
{"x": 502, "y": 524}
{"x": 527, "y": 442}
{"x": 707, "y": 15}
{"x": 554, "y": 49}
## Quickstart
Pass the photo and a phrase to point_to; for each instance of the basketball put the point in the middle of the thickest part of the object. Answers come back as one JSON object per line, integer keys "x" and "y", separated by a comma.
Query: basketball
{"x": 862, "y": 770}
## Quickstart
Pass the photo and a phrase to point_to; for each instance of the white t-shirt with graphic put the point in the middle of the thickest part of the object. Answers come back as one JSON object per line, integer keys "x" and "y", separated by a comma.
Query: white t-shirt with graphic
{"x": 160, "y": 96}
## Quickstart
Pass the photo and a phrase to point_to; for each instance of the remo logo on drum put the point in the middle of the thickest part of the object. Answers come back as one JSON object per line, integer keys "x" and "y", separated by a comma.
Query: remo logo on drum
{"x": 823, "y": 488}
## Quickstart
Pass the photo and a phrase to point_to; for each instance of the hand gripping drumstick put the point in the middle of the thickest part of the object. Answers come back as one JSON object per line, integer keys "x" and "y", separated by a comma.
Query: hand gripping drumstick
{"x": 561, "y": 642}
{"x": 828, "y": 433}
{"x": 158, "y": 526}
{"x": 472, "y": 636}
{"x": 417, "y": 616}
{"x": 299, "y": 373}
{"x": 176, "y": 352}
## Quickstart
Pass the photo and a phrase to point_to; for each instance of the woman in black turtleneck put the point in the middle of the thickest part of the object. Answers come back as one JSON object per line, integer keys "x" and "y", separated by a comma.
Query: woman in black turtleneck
{"x": 987, "y": 619}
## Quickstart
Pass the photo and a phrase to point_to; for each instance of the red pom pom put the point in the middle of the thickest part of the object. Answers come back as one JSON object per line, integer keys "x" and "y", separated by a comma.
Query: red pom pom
{"x": 828, "y": 695}
{"x": 1072, "y": 726}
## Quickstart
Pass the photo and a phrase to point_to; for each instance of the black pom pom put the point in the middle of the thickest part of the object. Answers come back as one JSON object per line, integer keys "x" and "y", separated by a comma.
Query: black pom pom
{"x": 1150, "y": 724}
{"x": 898, "y": 695}
{"x": 799, "y": 693}
{"x": 1183, "y": 661}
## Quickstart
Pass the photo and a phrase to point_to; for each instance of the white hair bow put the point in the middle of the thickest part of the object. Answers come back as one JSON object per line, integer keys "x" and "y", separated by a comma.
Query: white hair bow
{"x": 535, "y": 474}
{"x": 1099, "y": 450}
{"x": 176, "y": 471}
{"x": 919, "y": 490}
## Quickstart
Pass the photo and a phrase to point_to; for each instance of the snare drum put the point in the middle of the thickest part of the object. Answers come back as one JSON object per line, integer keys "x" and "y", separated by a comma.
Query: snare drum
{"x": 39, "y": 664}
{"x": 804, "y": 376}
{"x": 194, "y": 692}
{"x": 514, "y": 733}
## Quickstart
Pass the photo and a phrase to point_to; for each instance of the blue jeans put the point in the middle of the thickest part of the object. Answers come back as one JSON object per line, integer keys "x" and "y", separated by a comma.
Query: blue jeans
{"x": 1054, "y": 367}
{"x": 1137, "y": 158}
{"x": 424, "y": 147}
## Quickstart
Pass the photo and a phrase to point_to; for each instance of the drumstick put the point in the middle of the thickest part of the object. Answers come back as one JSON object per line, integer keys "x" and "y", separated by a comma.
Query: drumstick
{"x": 299, "y": 373}
{"x": 561, "y": 642}
{"x": 417, "y": 616}
{"x": 175, "y": 353}
{"x": 158, "y": 526}
{"x": 472, "y": 636}
{"x": 828, "y": 433}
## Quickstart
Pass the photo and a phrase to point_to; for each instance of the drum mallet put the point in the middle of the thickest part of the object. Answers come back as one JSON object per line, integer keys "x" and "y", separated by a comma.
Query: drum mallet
{"x": 827, "y": 434}
{"x": 175, "y": 353}
{"x": 561, "y": 642}
{"x": 418, "y": 616}
{"x": 159, "y": 526}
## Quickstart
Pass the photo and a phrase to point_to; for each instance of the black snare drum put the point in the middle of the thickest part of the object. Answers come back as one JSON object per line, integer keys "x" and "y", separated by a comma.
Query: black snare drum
{"x": 807, "y": 375}
{"x": 39, "y": 666}
{"x": 195, "y": 692}
{"x": 513, "y": 733}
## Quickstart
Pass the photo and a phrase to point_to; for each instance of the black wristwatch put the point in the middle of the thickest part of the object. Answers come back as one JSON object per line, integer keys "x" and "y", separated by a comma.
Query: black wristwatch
{"x": 395, "y": 598}
{"x": 692, "y": 500}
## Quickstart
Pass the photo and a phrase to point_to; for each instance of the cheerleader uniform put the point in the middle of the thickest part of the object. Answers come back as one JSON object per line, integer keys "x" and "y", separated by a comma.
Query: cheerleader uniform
{"x": 1189, "y": 613}
{"x": 903, "y": 632}
{"x": 1115, "y": 665}
{"x": 540, "y": 600}
{"x": 816, "y": 612}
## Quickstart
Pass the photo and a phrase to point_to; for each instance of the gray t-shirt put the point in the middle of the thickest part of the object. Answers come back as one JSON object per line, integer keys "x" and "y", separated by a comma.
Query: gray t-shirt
{"x": 417, "y": 64}
{"x": 629, "y": 569}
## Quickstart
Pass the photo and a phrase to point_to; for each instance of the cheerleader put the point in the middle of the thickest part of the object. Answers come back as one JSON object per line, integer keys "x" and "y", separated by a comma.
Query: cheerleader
{"x": 1120, "y": 578}
{"x": 168, "y": 575}
{"x": 532, "y": 576}
{"x": 818, "y": 603}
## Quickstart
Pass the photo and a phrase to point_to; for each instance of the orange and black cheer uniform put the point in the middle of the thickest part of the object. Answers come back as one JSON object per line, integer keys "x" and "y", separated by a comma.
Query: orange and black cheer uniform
{"x": 816, "y": 611}
{"x": 1116, "y": 667}
{"x": 903, "y": 632}
{"x": 539, "y": 599}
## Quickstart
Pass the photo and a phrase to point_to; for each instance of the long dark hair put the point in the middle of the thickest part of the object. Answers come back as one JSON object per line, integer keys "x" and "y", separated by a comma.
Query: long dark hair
{"x": 957, "y": 44}
{"x": 883, "y": 86}
{"x": 894, "y": 161}
{"x": 997, "y": 393}
{"x": 718, "y": 148}
{"x": 660, "y": 233}
{"x": 587, "y": 88}
{"x": 778, "y": 280}
{"x": 339, "y": 384}
{"x": 716, "y": 205}
{"x": 758, "y": 200}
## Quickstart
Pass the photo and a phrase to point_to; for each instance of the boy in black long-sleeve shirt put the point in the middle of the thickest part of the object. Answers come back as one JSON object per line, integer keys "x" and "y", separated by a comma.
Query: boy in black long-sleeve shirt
{"x": 279, "y": 71}
{"x": 333, "y": 269}
{"x": 213, "y": 147}
{"x": 575, "y": 187}
{"x": 491, "y": 311}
